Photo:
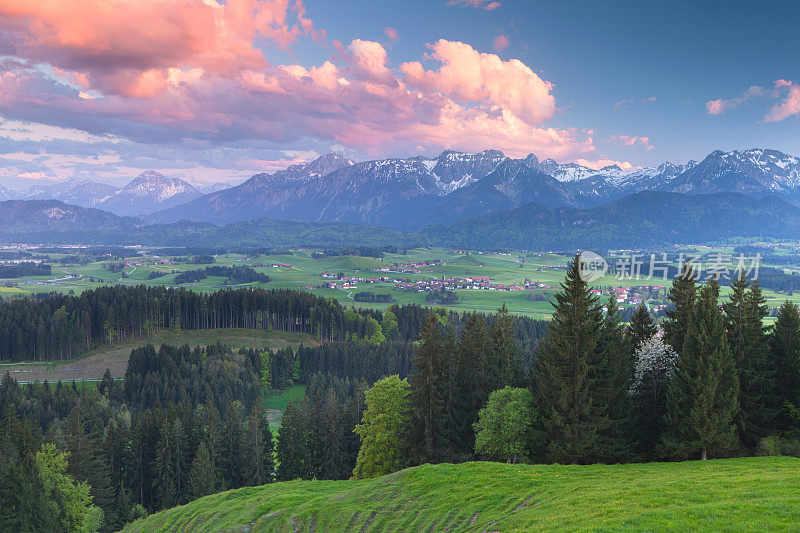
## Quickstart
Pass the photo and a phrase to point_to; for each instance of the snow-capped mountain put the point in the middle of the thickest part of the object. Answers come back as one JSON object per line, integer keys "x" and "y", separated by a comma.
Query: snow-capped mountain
{"x": 410, "y": 193}
{"x": 756, "y": 172}
{"x": 147, "y": 192}
{"x": 83, "y": 193}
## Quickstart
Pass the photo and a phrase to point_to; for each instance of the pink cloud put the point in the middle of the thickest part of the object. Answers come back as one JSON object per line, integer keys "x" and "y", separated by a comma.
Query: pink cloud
{"x": 391, "y": 33}
{"x": 790, "y": 105}
{"x": 501, "y": 42}
{"x": 472, "y": 77}
{"x": 631, "y": 140}
{"x": 488, "y": 5}
{"x": 721, "y": 105}
{"x": 198, "y": 73}
{"x": 127, "y": 47}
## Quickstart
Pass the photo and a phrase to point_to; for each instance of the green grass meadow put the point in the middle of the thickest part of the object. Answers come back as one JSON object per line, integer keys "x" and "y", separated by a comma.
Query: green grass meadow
{"x": 752, "y": 494}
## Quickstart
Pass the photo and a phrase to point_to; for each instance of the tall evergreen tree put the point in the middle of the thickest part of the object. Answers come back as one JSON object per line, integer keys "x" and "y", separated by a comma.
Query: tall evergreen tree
{"x": 259, "y": 464}
{"x": 473, "y": 381}
{"x": 703, "y": 400}
{"x": 745, "y": 311}
{"x": 613, "y": 366}
{"x": 203, "y": 477}
{"x": 570, "y": 423}
{"x": 641, "y": 327}
{"x": 503, "y": 365}
{"x": 784, "y": 354}
{"x": 681, "y": 296}
{"x": 425, "y": 402}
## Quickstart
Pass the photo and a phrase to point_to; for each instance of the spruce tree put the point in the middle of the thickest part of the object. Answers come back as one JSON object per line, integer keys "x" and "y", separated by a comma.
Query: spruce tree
{"x": 203, "y": 477}
{"x": 503, "y": 365}
{"x": 473, "y": 348}
{"x": 681, "y": 295}
{"x": 613, "y": 367}
{"x": 641, "y": 327}
{"x": 745, "y": 311}
{"x": 570, "y": 423}
{"x": 452, "y": 396}
{"x": 259, "y": 464}
{"x": 702, "y": 399}
{"x": 784, "y": 355}
{"x": 425, "y": 402}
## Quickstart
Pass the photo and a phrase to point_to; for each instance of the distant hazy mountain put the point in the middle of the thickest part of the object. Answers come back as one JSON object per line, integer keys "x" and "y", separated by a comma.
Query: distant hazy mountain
{"x": 43, "y": 216}
{"x": 639, "y": 220}
{"x": 83, "y": 193}
{"x": 8, "y": 194}
{"x": 648, "y": 218}
{"x": 147, "y": 192}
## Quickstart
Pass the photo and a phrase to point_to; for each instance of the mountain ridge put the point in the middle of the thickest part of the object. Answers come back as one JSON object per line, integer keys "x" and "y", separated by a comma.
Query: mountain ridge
{"x": 409, "y": 193}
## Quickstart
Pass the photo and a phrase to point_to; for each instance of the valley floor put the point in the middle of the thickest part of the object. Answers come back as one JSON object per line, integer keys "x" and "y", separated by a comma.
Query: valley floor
{"x": 735, "y": 494}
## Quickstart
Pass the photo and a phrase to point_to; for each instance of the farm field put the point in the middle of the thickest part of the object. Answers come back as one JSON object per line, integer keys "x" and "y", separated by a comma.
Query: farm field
{"x": 115, "y": 358}
{"x": 759, "y": 494}
{"x": 275, "y": 403}
{"x": 303, "y": 270}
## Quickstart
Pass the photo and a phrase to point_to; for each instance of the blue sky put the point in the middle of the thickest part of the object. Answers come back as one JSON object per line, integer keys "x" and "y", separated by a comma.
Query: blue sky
{"x": 595, "y": 82}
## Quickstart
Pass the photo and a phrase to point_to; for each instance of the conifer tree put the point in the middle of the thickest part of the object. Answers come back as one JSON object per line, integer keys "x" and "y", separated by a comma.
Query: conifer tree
{"x": 203, "y": 477}
{"x": 641, "y": 327}
{"x": 613, "y": 366}
{"x": 453, "y": 393}
{"x": 570, "y": 424}
{"x": 745, "y": 311}
{"x": 473, "y": 347}
{"x": 231, "y": 450}
{"x": 258, "y": 448}
{"x": 702, "y": 399}
{"x": 681, "y": 295}
{"x": 291, "y": 447}
{"x": 425, "y": 402}
{"x": 502, "y": 351}
{"x": 784, "y": 354}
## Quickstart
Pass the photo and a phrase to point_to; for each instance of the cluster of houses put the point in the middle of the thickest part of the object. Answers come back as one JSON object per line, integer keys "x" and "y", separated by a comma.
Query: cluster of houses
{"x": 632, "y": 295}
{"x": 411, "y": 268}
{"x": 340, "y": 281}
{"x": 476, "y": 283}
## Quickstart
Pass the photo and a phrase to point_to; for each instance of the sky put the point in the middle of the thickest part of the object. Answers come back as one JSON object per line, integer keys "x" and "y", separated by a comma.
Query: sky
{"x": 216, "y": 91}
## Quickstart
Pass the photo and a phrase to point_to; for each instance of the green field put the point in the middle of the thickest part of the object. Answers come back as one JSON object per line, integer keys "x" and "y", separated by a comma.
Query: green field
{"x": 275, "y": 403}
{"x": 719, "y": 495}
{"x": 305, "y": 273}
{"x": 115, "y": 358}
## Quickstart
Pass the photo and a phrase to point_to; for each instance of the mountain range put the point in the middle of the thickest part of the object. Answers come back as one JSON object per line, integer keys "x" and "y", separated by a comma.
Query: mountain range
{"x": 410, "y": 193}
{"x": 640, "y": 220}
{"x": 149, "y": 191}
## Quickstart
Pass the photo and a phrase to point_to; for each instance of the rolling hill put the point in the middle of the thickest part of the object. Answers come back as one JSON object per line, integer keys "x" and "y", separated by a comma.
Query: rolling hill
{"x": 742, "y": 494}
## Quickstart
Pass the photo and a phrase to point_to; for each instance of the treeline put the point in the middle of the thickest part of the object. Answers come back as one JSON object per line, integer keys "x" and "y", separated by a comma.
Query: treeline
{"x": 453, "y": 369}
{"x": 27, "y": 268}
{"x": 186, "y": 422}
{"x": 369, "y": 296}
{"x": 236, "y": 275}
{"x": 361, "y": 251}
{"x": 63, "y": 326}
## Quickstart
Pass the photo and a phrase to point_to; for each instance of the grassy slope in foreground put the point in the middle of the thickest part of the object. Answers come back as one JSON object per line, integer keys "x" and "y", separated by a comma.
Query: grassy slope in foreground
{"x": 754, "y": 493}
